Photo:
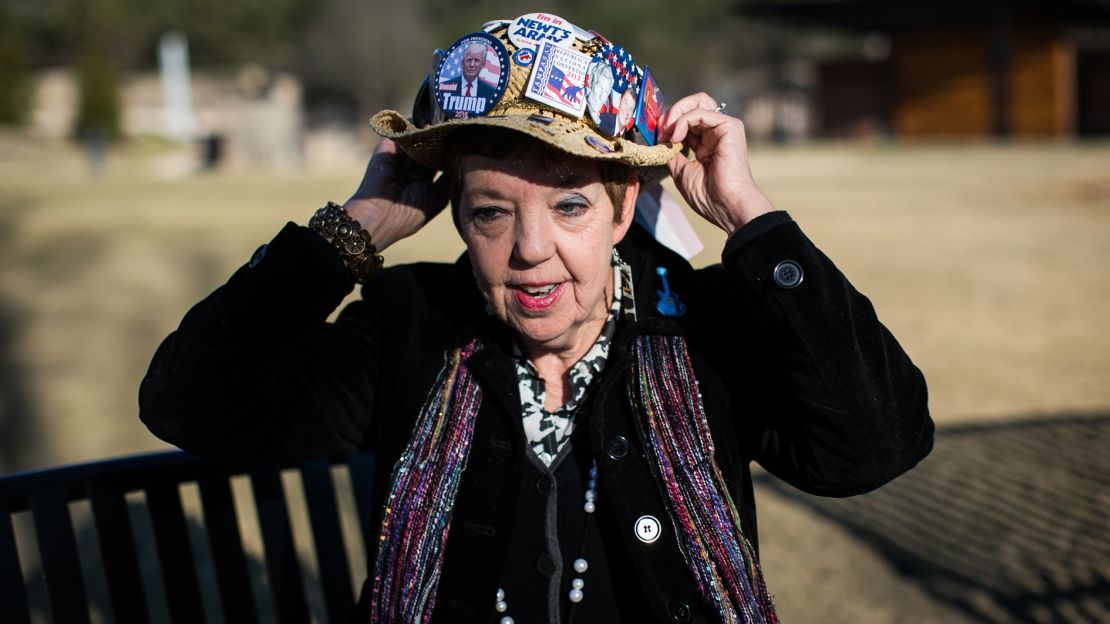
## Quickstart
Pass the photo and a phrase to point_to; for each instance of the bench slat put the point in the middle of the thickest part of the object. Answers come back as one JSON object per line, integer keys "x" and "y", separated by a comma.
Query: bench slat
{"x": 282, "y": 567}
{"x": 226, "y": 544}
{"x": 327, "y": 535}
{"x": 179, "y": 573}
{"x": 13, "y": 592}
{"x": 58, "y": 550}
{"x": 118, "y": 553}
{"x": 362, "y": 467}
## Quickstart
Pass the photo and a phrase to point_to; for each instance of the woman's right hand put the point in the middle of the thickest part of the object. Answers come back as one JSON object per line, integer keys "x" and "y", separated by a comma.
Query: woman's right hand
{"x": 397, "y": 196}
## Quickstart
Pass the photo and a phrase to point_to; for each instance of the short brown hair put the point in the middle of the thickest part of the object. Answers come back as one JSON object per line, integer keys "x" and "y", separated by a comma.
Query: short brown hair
{"x": 502, "y": 144}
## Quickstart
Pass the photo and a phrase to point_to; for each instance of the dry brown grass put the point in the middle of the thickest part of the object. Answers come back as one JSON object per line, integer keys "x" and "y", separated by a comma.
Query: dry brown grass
{"x": 989, "y": 262}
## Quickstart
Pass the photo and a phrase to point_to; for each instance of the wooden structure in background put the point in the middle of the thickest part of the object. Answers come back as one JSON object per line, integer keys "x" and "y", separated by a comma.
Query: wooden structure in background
{"x": 960, "y": 68}
{"x": 954, "y": 83}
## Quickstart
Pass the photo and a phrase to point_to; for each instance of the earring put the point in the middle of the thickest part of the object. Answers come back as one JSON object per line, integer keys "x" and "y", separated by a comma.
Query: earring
{"x": 628, "y": 295}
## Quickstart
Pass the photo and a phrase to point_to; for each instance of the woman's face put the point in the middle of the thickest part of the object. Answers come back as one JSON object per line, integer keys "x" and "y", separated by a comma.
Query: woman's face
{"x": 540, "y": 233}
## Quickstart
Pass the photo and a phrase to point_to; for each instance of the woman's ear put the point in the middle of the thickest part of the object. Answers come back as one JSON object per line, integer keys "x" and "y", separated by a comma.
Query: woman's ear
{"x": 628, "y": 207}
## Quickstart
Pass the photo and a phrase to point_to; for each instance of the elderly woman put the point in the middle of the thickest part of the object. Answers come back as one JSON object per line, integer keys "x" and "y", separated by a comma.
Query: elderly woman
{"x": 569, "y": 410}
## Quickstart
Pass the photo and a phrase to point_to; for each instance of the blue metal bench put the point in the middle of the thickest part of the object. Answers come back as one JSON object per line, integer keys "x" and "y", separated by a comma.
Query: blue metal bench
{"x": 47, "y": 494}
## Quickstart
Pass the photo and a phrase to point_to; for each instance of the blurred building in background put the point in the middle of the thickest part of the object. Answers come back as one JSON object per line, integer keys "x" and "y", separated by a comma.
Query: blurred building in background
{"x": 958, "y": 68}
{"x": 247, "y": 118}
{"x": 298, "y": 92}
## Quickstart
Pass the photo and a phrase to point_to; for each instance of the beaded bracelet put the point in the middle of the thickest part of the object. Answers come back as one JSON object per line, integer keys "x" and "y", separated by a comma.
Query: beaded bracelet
{"x": 349, "y": 239}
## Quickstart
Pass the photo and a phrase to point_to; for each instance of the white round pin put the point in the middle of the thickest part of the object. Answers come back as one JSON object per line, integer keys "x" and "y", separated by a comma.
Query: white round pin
{"x": 647, "y": 529}
{"x": 534, "y": 29}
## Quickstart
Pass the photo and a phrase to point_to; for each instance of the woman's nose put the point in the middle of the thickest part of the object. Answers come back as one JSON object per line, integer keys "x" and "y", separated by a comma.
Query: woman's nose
{"x": 533, "y": 243}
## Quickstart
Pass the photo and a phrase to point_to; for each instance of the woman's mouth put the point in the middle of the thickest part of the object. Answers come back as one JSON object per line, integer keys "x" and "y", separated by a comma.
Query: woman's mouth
{"x": 538, "y": 297}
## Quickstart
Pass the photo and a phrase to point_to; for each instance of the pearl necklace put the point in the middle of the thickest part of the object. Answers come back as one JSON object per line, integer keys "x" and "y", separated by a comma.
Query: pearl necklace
{"x": 580, "y": 564}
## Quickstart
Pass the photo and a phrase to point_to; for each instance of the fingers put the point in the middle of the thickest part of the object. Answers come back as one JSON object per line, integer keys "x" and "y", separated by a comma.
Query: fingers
{"x": 687, "y": 104}
{"x": 388, "y": 169}
{"x": 411, "y": 172}
{"x": 697, "y": 101}
{"x": 389, "y": 165}
{"x": 385, "y": 146}
{"x": 698, "y": 122}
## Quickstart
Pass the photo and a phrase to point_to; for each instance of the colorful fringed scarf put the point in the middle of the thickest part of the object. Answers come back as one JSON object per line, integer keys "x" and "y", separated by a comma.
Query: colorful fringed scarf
{"x": 674, "y": 431}
{"x": 680, "y": 451}
{"x": 417, "y": 514}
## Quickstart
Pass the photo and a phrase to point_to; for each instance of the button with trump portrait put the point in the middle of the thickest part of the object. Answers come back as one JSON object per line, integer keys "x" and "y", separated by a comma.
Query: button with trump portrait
{"x": 472, "y": 76}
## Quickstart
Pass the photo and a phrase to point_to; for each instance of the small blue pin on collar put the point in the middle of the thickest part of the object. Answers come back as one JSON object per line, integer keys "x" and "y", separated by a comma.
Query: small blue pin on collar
{"x": 668, "y": 304}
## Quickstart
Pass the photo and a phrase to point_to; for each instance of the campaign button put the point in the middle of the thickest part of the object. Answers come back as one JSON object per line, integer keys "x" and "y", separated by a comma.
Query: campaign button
{"x": 534, "y": 29}
{"x": 472, "y": 76}
{"x": 524, "y": 57}
{"x": 558, "y": 79}
{"x": 425, "y": 109}
{"x": 649, "y": 107}
{"x": 582, "y": 34}
{"x": 598, "y": 144}
{"x": 611, "y": 95}
{"x": 493, "y": 25}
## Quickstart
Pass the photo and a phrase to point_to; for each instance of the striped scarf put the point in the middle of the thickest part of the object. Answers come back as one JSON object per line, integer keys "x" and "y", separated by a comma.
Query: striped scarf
{"x": 417, "y": 514}
{"x": 675, "y": 433}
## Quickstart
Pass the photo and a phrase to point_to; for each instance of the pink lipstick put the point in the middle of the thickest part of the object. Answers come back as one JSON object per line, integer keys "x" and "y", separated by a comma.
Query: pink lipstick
{"x": 539, "y": 301}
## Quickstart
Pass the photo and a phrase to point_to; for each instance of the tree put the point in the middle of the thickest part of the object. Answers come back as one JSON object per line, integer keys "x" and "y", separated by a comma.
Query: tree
{"x": 15, "y": 72}
{"x": 99, "y": 113}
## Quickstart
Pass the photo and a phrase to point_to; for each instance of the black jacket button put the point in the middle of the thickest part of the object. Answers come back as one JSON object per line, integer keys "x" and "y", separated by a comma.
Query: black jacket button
{"x": 545, "y": 565}
{"x": 616, "y": 447}
{"x": 680, "y": 612}
{"x": 787, "y": 274}
{"x": 257, "y": 256}
{"x": 543, "y": 485}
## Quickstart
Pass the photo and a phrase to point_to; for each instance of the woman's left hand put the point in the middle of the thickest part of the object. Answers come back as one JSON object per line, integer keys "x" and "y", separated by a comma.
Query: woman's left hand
{"x": 397, "y": 196}
{"x": 718, "y": 182}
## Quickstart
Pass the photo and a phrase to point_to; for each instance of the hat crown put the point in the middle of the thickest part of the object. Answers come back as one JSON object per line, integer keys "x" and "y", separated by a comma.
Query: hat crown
{"x": 544, "y": 77}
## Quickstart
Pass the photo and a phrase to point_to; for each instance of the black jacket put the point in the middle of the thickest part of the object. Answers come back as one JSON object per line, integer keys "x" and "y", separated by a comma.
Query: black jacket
{"x": 803, "y": 380}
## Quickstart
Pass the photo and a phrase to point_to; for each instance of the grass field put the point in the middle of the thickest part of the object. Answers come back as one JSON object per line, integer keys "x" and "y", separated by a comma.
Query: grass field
{"x": 991, "y": 264}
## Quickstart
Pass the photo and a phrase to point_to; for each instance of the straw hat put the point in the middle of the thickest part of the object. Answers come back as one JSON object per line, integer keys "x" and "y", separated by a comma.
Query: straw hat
{"x": 425, "y": 136}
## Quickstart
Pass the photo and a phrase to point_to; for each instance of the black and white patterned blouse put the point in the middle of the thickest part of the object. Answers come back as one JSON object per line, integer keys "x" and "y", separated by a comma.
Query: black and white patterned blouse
{"x": 548, "y": 432}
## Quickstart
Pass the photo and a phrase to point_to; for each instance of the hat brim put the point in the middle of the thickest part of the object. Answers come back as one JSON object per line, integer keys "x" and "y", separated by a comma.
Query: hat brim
{"x": 427, "y": 146}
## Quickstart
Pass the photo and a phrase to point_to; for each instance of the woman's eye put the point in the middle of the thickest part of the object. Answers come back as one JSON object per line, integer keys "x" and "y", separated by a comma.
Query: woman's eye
{"x": 485, "y": 213}
{"x": 571, "y": 208}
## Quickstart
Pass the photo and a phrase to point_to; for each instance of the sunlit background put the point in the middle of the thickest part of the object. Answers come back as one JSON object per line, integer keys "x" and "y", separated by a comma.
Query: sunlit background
{"x": 951, "y": 157}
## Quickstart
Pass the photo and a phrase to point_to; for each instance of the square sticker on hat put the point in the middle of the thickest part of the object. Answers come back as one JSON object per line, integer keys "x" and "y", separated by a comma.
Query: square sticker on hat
{"x": 649, "y": 107}
{"x": 559, "y": 79}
